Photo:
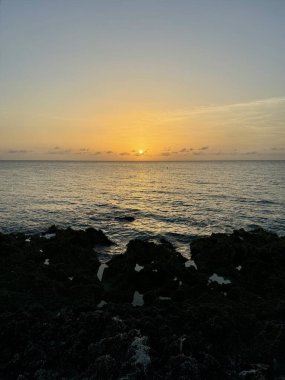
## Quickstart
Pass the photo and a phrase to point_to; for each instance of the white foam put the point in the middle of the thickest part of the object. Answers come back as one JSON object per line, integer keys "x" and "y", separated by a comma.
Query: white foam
{"x": 180, "y": 283}
{"x": 154, "y": 270}
{"x": 49, "y": 236}
{"x": 164, "y": 298}
{"x": 190, "y": 263}
{"x": 239, "y": 267}
{"x": 46, "y": 262}
{"x": 141, "y": 350}
{"x": 100, "y": 272}
{"x": 138, "y": 268}
{"x": 28, "y": 240}
{"x": 41, "y": 251}
{"x": 71, "y": 278}
{"x": 101, "y": 304}
{"x": 219, "y": 279}
{"x": 138, "y": 299}
{"x": 175, "y": 279}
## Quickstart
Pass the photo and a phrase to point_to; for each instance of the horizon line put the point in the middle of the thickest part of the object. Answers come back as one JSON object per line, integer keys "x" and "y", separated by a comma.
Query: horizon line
{"x": 136, "y": 161}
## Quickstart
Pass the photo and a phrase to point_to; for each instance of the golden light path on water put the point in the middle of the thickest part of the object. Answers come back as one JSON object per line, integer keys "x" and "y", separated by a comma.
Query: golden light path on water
{"x": 177, "y": 201}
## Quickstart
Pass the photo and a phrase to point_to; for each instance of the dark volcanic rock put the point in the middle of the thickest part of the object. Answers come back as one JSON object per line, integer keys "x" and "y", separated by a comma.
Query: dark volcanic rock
{"x": 224, "y": 320}
{"x": 145, "y": 267}
{"x": 56, "y": 269}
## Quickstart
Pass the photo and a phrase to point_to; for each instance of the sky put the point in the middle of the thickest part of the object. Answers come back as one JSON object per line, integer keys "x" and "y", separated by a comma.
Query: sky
{"x": 142, "y": 79}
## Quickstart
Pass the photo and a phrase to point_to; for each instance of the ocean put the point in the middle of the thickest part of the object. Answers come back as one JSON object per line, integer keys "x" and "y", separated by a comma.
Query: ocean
{"x": 174, "y": 200}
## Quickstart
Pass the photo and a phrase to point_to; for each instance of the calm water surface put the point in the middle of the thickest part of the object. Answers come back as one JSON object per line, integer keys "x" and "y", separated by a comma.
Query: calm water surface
{"x": 178, "y": 200}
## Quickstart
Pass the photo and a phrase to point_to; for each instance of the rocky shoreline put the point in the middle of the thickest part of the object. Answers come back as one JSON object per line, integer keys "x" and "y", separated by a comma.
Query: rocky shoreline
{"x": 147, "y": 314}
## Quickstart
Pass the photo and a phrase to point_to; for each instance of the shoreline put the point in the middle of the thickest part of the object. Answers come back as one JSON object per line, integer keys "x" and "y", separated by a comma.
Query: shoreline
{"x": 148, "y": 313}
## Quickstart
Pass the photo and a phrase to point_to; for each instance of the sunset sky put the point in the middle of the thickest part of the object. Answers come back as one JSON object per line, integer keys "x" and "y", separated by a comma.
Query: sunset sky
{"x": 142, "y": 79}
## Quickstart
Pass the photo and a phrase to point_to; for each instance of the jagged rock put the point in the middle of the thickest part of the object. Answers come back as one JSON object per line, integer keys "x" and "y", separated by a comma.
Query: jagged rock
{"x": 158, "y": 265}
{"x": 221, "y": 320}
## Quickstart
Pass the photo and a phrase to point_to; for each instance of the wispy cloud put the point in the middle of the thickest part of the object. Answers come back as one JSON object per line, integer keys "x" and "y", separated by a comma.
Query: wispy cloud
{"x": 15, "y": 151}
{"x": 204, "y": 148}
{"x": 261, "y": 103}
{"x": 59, "y": 151}
{"x": 185, "y": 150}
{"x": 198, "y": 153}
{"x": 124, "y": 154}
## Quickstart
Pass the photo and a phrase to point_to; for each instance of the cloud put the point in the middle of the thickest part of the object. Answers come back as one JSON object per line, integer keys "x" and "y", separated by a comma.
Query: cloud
{"x": 204, "y": 148}
{"x": 277, "y": 149}
{"x": 109, "y": 152}
{"x": 166, "y": 154}
{"x": 59, "y": 151}
{"x": 84, "y": 150}
{"x": 185, "y": 150}
{"x": 250, "y": 105}
{"x": 15, "y": 151}
{"x": 97, "y": 153}
{"x": 124, "y": 154}
{"x": 220, "y": 153}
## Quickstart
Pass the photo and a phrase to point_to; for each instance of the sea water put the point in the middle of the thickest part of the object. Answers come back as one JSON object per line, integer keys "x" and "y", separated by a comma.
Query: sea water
{"x": 174, "y": 200}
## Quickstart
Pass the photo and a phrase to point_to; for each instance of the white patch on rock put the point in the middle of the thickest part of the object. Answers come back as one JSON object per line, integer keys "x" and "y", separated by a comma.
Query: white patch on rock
{"x": 71, "y": 278}
{"x": 140, "y": 351}
{"x": 175, "y": 279}
{"x": 181, "y": 340}
{"x": 138, "y": 299}
{"x": 41, "y": 251}
{"x": 225, "y": 294}
{"x": 117, "y": 319}
{"x": 241, "y": 238}
{"x": 243, "y": 374}
{"x": 100, "y": 272}
{"x": 46, "y": 262}
{"x": 49, "y": 236}
{"x": 219, "y": 279}
{"x": 164, "y": 298}
{"x": 101, "y": 304}
{"x": 190, "y": 263}
{"x": 138, "y": 268}
{"x": 239, "y": 267}
{"x": 180, "y": 283}
{"x": 28, "y": 240}
{"x": 154, "y": 270}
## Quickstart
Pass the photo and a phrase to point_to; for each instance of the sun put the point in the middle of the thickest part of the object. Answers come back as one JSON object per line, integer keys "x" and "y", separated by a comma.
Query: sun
{"x": 141, "y": 152}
